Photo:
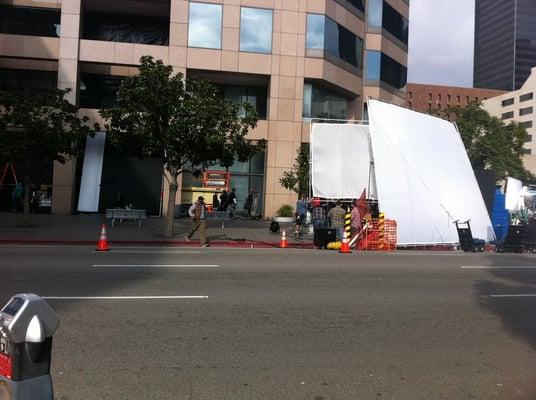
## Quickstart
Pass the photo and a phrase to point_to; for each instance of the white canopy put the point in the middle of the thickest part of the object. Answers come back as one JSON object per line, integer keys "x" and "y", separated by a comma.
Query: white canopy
{"x": 423, "y": 176}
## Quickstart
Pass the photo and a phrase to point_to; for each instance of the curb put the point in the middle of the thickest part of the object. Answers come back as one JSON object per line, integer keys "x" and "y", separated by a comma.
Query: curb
{"x": 177, "y": 243}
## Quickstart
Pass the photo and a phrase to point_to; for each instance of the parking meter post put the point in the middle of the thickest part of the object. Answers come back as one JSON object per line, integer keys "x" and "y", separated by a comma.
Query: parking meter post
{"x": 27, "y": 326}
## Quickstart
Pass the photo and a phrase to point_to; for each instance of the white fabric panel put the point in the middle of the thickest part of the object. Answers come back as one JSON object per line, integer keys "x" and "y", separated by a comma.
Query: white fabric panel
{"x": 423, "y": 175}
{"x": 512, "y": 199}
{"x": 340, "y": 160}
{"x": 88, "y": 201}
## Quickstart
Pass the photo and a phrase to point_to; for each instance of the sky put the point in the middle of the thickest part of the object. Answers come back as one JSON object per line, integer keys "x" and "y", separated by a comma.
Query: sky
{"x": 441, "y": 42}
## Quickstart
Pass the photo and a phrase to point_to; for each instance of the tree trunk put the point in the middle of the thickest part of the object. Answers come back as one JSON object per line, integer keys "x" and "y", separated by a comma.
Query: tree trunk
{"x": 173, "y": 186}
{"x": 26, "y": 202}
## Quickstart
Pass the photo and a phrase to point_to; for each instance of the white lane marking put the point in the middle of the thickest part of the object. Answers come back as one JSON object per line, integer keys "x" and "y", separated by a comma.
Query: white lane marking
{"x": 122, "y": 297}
{"x": 157, "y": 265}
{"x": 498, "y": 266}
{"x": 513, "y": 295}
{"x": 149, "y": 252}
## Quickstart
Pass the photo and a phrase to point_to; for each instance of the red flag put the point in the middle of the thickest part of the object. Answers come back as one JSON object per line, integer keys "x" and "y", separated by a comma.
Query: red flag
{"x": 362, "y": 204}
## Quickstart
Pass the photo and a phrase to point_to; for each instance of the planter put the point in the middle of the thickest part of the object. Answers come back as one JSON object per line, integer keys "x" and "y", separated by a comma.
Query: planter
{"x": 283, "y": 220}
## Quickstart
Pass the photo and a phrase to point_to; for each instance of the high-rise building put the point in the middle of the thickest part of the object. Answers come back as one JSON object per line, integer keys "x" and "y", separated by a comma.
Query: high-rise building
{"x": 294, "y": 60}
{"x": 505, "y": 43}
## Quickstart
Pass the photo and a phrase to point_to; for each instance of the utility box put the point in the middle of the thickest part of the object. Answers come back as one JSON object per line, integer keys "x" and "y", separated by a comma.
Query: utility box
{"x": 27, "y": 326}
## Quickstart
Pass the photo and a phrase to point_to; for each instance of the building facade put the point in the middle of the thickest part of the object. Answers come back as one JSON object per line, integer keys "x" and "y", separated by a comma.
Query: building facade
{"x": 294, "y": 60}
{"x": 519, "y": 106}
{"x": 505, "y": 43}
{"x": 427, "y": 98}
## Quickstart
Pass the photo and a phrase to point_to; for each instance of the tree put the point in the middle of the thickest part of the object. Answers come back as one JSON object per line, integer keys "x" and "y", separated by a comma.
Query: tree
{"x": 186, "y": 125}
{"x": 490, "y": 143}
{"x": 297, "y": 179}
{"x": 38, "y": 128}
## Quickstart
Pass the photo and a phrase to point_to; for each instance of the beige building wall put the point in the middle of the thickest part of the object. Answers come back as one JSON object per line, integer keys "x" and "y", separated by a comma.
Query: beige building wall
{"x": 287, "y": 67}
{"x": 519, "y": 106}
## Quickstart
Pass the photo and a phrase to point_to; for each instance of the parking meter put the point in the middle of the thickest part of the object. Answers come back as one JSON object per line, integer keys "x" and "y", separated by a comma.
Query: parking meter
{"x": 27, "y": 325}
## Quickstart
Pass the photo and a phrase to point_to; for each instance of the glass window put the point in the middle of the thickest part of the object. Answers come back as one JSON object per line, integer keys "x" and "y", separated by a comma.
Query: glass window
{"x": 320, "y": 102}
{"x": 526, "y": 124}
{"x": 27, "y": 80}
{"x": 394, "y": 23}
{"x": 507, "y": 115}
{"x": 529, "y": 139}
{"x": 204, "y": 26}
{"x": 525, "y": 111}
{"x": 30, "y": 21}
{"x": 323, "y": 32}
{"x": 372, "y": 70}
{"x": 256, "y": 30}
{"x": 315, "y": 31}
{"x": 359, "y": 4}
{"x": 257, "y": 96}
{"x": 375, "y": 12}
{"x": 507, "y": 102}
{"x": 525, "y": 97}
{"x": 527, "y": 151}
{"x": 98, "y": 91}
{"x": 125, "y": 28}
{"x": 393, "y": 73}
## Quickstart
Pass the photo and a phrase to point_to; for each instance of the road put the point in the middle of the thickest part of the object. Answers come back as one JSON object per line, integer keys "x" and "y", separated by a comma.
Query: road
{"x": 275, "y": 324}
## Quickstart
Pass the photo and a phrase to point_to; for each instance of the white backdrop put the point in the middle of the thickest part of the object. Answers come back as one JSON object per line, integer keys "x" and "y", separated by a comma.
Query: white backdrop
{"x": 340, "y": 156}
{"x": 423, "y": 175}
{"x": 88, "y": 200}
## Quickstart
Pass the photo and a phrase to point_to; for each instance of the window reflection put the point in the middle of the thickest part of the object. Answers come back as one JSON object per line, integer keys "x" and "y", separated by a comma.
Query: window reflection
{"x": 375, "y": 13}
{"x": 204, "y": 26}
{"x": 372, "y": 71}
{"x": 256, "y": 30}
{"x": 324, "y": 33}
{"x": 395, "y": 24}
{"x": 382, "y": 67}
{"x": 315, "y": 31}
{"x": 319, "y": 102}
{"x": 257, "y": 96}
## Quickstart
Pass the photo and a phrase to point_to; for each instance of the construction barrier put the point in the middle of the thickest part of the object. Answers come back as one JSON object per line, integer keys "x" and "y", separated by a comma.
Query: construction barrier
{"x": 379, "y": 235}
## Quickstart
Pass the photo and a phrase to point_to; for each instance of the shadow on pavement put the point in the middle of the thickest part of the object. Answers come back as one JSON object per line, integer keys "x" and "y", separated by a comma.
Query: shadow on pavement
{"x": 518, "y": 314}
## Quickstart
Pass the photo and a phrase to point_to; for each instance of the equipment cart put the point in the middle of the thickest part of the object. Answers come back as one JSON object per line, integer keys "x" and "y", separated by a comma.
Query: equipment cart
{"x": 467, "y": 242}
{"x": 513, "y": 243}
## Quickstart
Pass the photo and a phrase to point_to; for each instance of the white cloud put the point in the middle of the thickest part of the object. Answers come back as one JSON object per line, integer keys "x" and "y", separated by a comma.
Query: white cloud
{"x": 441, "y": 41}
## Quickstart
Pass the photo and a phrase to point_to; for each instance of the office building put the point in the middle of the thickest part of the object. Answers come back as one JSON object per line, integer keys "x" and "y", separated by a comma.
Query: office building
{"x": 505, "y": 43}
{"x": 518, "y": 106}
{"x": 294, "y": 60}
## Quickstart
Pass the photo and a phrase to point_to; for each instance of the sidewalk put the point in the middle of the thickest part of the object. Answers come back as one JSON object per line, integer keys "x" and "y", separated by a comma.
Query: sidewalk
{"x": 85, "y": 229}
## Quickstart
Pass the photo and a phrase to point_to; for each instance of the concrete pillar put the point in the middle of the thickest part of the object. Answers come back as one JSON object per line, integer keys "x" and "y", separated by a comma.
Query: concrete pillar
{"x": 63, "y": 184}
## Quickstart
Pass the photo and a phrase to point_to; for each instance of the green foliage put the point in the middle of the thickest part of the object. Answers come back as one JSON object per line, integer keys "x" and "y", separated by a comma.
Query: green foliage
{"x": 40, "y": 127}
{"x": 297, "y": 179}
{"x": 490, "y": 143}
{"x": 185, "y": 124}
{"x": 285, "y": 210}
{"x": 159, "y": 115}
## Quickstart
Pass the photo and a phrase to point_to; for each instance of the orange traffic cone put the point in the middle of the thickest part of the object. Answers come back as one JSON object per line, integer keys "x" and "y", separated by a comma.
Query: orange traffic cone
{"x": 345, "y": 246}
{"x": 283, "y": 244}
{"x": 102, "y": 244}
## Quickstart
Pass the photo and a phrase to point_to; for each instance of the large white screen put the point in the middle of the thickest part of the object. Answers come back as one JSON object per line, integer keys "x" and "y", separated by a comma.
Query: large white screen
{"x": 423, "y": 175}
{"x": 340, "y": 160}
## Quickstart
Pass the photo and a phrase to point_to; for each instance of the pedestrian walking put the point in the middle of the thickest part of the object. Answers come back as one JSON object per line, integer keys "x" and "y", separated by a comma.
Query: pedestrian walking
{"x": 198, "y": 214}
{"x": 336, "y": 219}
{"x": 301, "y": 210}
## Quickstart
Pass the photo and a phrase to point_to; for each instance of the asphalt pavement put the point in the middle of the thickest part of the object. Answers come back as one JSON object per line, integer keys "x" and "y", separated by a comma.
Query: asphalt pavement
{"x": 181, "y": 323}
